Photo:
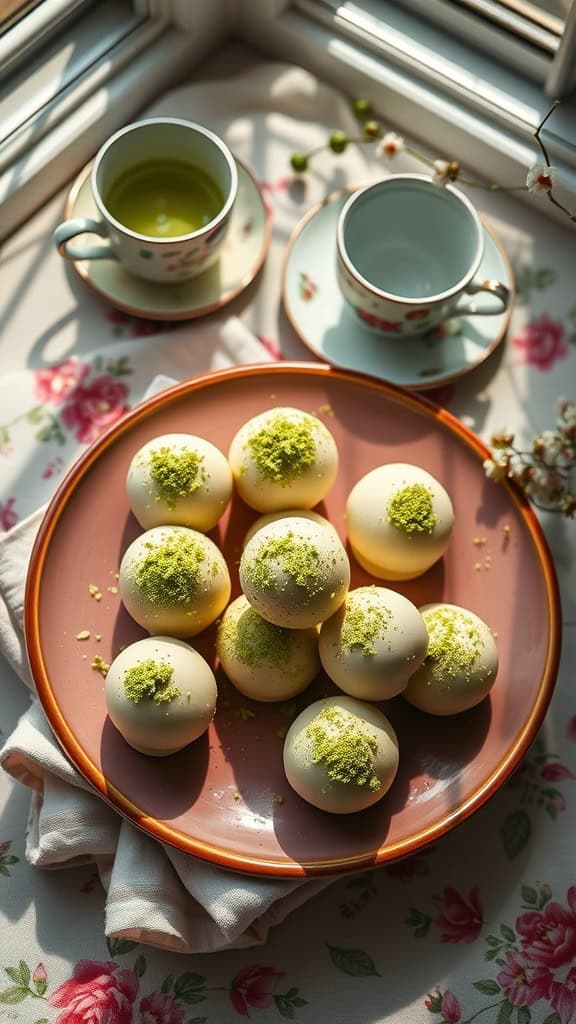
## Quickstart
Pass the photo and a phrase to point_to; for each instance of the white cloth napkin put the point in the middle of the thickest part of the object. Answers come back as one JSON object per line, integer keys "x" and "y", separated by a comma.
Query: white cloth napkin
{"x": 155, "y": 894}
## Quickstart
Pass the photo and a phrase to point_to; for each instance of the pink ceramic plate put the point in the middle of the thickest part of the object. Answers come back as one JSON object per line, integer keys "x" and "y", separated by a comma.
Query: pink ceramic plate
{"x": 224, "y": 798}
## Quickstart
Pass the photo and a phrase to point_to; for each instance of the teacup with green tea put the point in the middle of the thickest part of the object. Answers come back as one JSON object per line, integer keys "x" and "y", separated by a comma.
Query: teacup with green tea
{"x": 164, "y": 189}
{"x": 164, "y": 198}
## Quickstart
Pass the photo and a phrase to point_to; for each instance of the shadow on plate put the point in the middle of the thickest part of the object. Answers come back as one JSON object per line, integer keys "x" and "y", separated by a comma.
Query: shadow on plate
{"x": 166, "y": 786}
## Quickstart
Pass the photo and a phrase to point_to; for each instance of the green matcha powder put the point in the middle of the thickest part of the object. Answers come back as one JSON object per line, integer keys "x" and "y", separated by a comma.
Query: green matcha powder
{"x": 176, "y": 474}
{"x": 171, "y": 572}
{"x": 253, "y": 640}
{"x": 284, "y": 449}
{"x": 150, "y": 680}
{"x": 454, "y": 643}
{"x": 344, "y": 749}
{"x": 362, "y": 625}
{"x": 411, "y": 510}
{"x": 297, "y": 558}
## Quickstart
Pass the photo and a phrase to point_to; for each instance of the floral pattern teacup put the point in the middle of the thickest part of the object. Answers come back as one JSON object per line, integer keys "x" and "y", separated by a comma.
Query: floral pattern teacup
{"x": 407, "y": 251}
{"x": 161, "y": 259}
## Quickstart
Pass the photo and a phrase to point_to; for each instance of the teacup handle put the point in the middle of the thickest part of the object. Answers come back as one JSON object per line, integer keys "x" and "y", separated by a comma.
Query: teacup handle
{"x": 79, "y": 226}
{"x": 500, "y": 292}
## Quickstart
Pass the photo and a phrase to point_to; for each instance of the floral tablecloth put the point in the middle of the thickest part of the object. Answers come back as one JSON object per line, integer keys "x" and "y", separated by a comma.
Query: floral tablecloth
{"x": 481, "y": 926}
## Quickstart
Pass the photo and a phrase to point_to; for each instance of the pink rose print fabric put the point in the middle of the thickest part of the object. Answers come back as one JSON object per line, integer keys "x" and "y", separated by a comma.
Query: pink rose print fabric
{"x": 94, "y": 407}
{"x": 160, "y": 1008}
{"x": 54, "y": 385}
{"x": 254, "y": 987}
{"x": 8, "y": 514}
{"x": 536, "y": 963}
{"x": 104, "y": 993}
{"x": 549, "y": 936}
{"x": 542, "y": 343}
{"x": 444, "y": 1003}
{"x": 87, "y": 405}
{"x": 460, "y": 920}
{"x": 40, "y": 979}
{"x": 97, "y": 993}
{"x": 522, "y": 983}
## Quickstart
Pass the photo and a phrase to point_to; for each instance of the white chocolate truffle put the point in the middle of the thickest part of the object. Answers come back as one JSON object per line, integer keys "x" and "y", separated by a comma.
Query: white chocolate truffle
{"x": 179, "y": 479}
{"x": 295, "y": 572}
{"x": 264, "y": 661}
{"x": 373, "y": 644}
{"x": 283, "y": 458}
{"x": 174, "y": 581}
{"x": 399, "y": 520}
{"x": 160, "y": 694}
{"x": 341, "y": 755}
{"x": 271, "y": 517}
{"x": 461, "y": 663}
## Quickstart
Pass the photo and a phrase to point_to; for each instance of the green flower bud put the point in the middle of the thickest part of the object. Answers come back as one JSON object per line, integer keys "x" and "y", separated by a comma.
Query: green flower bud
{"x": 362, "y": 109}
{"x": 338, "y": 142}
{"x": 299, "y": 162}
{"x": 373, "y": 129}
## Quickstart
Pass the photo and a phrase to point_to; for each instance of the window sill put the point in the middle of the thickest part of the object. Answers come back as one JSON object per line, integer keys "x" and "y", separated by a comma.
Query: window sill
{"x": 492, "y": 139}
{"x": 63, "y": 134}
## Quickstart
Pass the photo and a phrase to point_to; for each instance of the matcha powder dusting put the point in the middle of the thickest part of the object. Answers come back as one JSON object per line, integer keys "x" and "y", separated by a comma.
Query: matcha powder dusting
{"x": 344, "y": 748}
{"x": 411, "y": 510}
{"x": 171, "y": 572}
{"x": 297, "y": 558}
{"x": 253, "y": 640}
{"x": 362, "y": 625}
{"x": 454, "y": 643}
{"x": 150, "y": 680}
{"x": 283, "y": 449}
{"x": 177, "y": 474}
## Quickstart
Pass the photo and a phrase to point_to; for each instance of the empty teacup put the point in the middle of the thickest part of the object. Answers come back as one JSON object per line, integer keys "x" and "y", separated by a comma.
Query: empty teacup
{"x": 164, "y": 189}
{"x": 408, "y": 252}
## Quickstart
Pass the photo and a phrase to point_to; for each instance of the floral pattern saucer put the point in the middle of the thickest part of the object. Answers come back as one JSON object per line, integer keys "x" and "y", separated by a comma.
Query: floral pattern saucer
{"x": 320, "y": 316}
{"x": 242, "y": 257}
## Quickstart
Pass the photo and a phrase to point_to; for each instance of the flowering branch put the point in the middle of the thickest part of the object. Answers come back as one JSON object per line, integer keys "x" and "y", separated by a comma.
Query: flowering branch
{"x": 545, "y": 471}
{"x": 545, "y": 176}
{"x": 541, "y": 178}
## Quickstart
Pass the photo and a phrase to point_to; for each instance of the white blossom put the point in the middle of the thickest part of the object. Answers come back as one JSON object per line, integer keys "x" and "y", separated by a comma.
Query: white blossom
{"x": 445, "y": 171}
{"x": 540, "y": 178}
{"x": 548, "y": 446}
{"x": 502, "y": 438}
{"x": 494, "y": 470}
{"x": 545, "y": 485}
{"x": 391, "y": 145}
{"x": 546, "y": 471}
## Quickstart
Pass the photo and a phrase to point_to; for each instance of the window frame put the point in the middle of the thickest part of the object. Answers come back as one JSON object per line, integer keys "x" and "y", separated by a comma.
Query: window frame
{"x": 406, "y": 82}
{"x": 69, "y": 124}
{"x": 447, "y": 120}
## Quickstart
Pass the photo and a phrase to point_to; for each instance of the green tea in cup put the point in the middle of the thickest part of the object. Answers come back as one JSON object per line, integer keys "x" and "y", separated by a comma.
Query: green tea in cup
{"x": 164, "y": 198}
{"x": 164, "y": 191}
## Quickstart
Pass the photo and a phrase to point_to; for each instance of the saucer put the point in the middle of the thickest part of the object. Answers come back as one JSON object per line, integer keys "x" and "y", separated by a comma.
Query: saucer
{"x": 242, "y": 257}
{"x": 320, "y": 316}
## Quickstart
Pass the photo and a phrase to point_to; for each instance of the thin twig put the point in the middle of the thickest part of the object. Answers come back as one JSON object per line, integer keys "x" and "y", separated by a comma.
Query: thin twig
{"x": 536, "y": 132}
{"x": 560, "y": 206}
{"x": 489, "y": 187}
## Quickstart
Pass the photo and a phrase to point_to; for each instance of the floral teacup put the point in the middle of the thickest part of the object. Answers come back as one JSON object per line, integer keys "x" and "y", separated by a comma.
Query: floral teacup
{"x": 164, "y": 162}
{"x": 408, "y": 250}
